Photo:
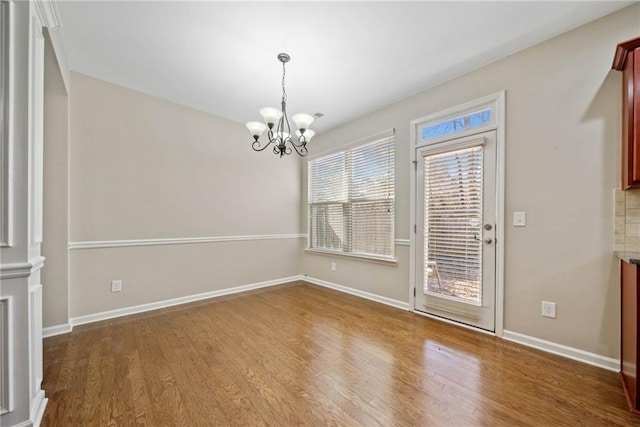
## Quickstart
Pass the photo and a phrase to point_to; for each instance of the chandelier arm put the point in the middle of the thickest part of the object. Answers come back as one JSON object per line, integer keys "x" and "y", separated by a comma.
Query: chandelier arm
{"x": 281, "y": 150}
{"x": 299, "y": 142}
{"x": 300, "y": 149}
{"x": 257, "y": 145}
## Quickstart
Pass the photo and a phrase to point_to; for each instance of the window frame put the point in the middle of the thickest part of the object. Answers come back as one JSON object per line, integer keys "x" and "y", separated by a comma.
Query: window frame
{"x": 347, "y": 243}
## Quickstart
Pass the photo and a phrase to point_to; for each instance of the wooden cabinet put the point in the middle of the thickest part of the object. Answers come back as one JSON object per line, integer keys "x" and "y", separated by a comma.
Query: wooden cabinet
{"x": 629, "y": 333}
{"x": 627, "y": 60}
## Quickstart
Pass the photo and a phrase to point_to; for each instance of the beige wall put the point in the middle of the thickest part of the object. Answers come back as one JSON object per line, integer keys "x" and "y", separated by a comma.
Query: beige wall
{"x": 562, "y": 150}
{"x": 144, "y": 168}
{"x": 55, "y": 274}
{"x": 159, "y": 273}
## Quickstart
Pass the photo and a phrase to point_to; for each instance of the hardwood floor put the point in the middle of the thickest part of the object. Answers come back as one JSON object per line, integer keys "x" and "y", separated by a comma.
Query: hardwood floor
{"x": 298, "y": 354}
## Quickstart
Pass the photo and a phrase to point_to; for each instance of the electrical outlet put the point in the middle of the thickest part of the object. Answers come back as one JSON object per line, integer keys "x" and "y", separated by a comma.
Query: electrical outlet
{"x": 549, "y": 309}
{"x": 116, "y": 285}
{"x": 333, "y": 266}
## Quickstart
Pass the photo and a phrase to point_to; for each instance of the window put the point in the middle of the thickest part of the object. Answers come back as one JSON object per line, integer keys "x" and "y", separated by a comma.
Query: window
{"x": 458, "y": 124}
{"x": 351, "y": 200}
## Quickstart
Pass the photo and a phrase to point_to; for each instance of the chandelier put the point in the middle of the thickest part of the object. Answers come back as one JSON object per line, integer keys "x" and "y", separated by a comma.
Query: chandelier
{"x": 276, "y": 123}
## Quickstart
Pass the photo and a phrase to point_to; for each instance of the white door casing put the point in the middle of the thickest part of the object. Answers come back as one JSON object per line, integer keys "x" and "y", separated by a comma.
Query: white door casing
{"x": 494, "y": 103}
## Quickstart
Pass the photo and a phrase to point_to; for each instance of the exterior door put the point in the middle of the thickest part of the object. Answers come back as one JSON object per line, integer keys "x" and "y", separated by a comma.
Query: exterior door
{"x": 455, "y": 230}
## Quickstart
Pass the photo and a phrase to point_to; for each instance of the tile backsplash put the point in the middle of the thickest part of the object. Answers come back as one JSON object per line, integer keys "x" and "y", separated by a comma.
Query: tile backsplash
{"x": 627, "y": 220}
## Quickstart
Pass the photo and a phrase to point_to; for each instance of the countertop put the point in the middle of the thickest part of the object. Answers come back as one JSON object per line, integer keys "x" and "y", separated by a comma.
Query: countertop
{"x": 630, "y": 257}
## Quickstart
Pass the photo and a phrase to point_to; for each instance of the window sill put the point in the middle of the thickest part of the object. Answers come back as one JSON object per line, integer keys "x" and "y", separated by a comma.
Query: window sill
{"x": 365, "y": 258}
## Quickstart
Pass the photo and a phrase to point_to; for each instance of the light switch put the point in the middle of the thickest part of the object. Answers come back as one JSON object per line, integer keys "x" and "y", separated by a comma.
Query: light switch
{"x": 519, "y": 219}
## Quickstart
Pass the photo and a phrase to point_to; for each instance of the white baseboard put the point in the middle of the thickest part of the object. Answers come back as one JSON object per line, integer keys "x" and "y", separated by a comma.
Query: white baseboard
{"x": 358, "y": 293}
{"x": 604, "y": 362}
{"x": 111, "y": 314}
{"x": 39, "y": 405}
{"x": 52, "y": 331}
{"x": 105, "y": 315}
{"x": 547, "y": 346}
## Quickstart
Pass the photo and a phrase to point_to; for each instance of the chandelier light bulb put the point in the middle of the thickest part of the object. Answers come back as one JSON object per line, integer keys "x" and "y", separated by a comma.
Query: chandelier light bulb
{"x": 271, "y": 116}
{"x": 303, "y": 121}
{"x": 256, "y": 129}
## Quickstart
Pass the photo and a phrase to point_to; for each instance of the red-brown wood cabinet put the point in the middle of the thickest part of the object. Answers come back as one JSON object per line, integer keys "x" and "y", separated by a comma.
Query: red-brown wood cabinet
{"x": 629, "y": 333}
{"x": 627, "y": 60}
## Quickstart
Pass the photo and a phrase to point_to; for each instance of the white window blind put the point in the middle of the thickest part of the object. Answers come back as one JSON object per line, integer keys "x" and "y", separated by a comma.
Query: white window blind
{"x": 453, "y": 219}
{"x": 351, "y": 200}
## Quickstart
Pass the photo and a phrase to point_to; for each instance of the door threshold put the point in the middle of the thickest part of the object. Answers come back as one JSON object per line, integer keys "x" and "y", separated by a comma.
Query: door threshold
{"x": 453, "y": 322}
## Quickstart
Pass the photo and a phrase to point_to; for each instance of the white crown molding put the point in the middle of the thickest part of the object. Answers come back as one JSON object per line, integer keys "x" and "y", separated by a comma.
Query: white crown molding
{"x": 61, "y": 57}
{"x": 593, "y": 359}
{"x": 177, "y": 241}
{"x": 24, "y": 269}
{"x": 48, "y": 12}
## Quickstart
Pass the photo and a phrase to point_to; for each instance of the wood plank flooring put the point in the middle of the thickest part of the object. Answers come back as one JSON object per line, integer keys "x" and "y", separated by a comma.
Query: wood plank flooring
{"x": 299, "y": 354}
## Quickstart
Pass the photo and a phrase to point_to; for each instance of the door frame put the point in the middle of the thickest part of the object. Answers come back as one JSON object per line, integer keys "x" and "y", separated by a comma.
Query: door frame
{"x": 496, "y": 102}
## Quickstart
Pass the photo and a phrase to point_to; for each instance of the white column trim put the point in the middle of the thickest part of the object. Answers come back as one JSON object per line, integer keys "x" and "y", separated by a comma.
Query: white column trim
{"x": 6, "y": 363}
{"x": 23, "y": 269}
{"x": 5, "y": 104}
{"x": 37, "y": 407}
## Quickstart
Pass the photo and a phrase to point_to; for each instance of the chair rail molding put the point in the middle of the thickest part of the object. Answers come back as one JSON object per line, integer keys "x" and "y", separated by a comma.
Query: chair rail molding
{"x": 177, "y": 241}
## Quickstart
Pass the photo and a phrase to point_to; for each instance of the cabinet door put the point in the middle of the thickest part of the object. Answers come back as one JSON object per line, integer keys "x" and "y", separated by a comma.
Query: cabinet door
{"x": 633, "y": 116}
{"x": 629, "y": 331}
{"x": 630, "y": 167}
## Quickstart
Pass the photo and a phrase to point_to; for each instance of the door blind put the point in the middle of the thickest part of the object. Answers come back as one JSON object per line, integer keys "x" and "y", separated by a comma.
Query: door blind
{"x": 351, "y": 200}
{"x": 453, "y": 222}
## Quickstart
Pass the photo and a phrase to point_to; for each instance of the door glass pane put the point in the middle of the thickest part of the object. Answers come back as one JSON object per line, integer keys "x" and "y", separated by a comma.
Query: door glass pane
{"x": 453, "y": 224}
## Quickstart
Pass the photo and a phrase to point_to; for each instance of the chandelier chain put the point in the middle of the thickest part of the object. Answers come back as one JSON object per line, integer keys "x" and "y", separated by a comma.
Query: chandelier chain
{"x": 284, "y": 92}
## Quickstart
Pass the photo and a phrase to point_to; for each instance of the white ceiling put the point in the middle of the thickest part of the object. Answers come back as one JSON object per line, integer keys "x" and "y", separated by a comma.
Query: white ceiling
{"x": 347, "y": 59}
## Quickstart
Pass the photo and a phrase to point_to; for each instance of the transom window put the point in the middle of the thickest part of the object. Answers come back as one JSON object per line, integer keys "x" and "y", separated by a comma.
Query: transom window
{"x": 351, "y": 200}
{"x": 457, "y": 124}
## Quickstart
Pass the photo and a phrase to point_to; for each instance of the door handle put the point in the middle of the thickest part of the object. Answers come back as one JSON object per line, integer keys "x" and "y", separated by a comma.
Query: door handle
{"x": 487, "y": 240}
